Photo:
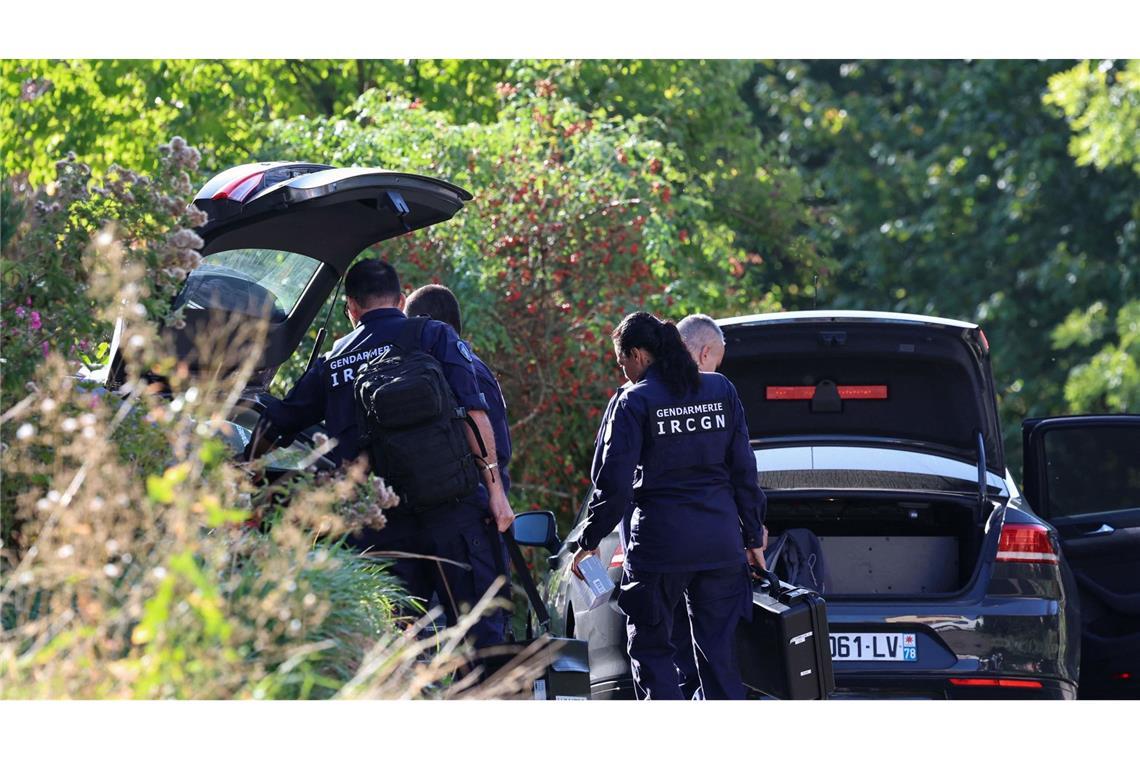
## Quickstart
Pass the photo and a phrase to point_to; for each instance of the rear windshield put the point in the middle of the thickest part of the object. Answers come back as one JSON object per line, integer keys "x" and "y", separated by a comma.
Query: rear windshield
{"x": 254, "y": 281}
{"x": 1094, "y": 469}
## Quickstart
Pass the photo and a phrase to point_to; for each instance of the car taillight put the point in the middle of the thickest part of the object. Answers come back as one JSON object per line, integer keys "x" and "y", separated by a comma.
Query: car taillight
{"x": 807, "y": 392}
{"x": 239, "y": 188}
{"x": 1006, "y": 683}
{"x": 1026, "y": 543}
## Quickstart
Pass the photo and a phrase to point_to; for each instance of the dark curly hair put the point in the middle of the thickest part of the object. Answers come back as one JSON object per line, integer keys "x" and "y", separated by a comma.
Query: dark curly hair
{"x": 661, "y": 339}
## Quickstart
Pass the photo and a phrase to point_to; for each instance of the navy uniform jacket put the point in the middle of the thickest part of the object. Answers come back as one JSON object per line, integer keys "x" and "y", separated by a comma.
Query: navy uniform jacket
{"x": 696, "y": 502}
{"x": 596, "y": 465}
{"x": 325, "y": 391}
{"x": 497, "y": 415}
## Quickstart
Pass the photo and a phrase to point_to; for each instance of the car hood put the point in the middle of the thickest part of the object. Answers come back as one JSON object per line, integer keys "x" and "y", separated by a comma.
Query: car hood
{"x": 316, "y": 219}
{"x": 897, "y": 380}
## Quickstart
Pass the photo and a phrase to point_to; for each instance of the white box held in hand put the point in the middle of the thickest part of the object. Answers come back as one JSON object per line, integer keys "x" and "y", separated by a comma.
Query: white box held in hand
{"x": 597, "y": 585}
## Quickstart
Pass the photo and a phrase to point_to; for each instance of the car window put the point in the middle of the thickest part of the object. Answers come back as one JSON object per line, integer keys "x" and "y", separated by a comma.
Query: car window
{"x": 254, "y": 281}
{"x": 1092, "y": 469}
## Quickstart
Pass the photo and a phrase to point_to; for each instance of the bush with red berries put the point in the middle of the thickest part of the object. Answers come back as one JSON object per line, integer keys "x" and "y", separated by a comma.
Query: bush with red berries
{"x": 577, "y": 220}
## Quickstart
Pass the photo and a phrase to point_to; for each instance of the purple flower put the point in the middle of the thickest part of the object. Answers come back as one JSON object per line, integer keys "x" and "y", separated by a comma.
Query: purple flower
{"x": 34, "y": 321}
{"x": 20, "y": 312}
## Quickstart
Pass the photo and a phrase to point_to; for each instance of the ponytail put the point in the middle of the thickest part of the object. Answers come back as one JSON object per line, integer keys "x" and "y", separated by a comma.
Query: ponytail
{"x": 661, "y": 339}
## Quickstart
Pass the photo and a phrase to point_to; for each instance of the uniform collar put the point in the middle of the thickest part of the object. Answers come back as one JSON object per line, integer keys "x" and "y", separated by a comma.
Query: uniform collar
{"x": 386, "y": 312}
{"x": 653, "y": 370}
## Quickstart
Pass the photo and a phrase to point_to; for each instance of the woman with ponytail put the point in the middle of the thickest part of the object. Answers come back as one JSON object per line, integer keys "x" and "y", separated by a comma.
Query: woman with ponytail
{"x": 675, "y": 454}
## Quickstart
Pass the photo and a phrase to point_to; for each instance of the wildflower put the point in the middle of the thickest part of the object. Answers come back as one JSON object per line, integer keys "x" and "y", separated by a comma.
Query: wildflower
{"x": 111, "y": 571}
{"x": 48, "y": 405}
{"x": 88, "y": 419}
{"x": 25, "y": 432}
{"x": 159, "y": 572}
{"x": 21, "y": 312}
{"x": 186, "y": 239}
{"x": 69, "y": 425}
{"x": 65, "y": 551}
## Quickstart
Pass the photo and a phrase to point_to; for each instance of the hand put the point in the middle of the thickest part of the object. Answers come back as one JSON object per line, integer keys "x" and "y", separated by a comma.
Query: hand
{"x": 500, "y": 510}
{"x": 756, "y": 557}
{"x": 581, "y": 555}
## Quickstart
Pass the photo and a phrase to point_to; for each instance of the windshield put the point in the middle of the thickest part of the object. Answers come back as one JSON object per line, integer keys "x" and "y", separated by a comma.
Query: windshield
{"x": 254, "y": 281}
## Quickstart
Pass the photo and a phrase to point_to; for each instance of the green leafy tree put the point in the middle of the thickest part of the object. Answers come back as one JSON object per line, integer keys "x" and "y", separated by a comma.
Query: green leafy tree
{"x": 574, "y": 224}
{"x": 1101, "y": 102}
{"x": 950, "y": 191}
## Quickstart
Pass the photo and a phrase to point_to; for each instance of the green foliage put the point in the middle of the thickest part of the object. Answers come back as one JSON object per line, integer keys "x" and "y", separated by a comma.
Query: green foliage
{"x": 55, "y": 276}
{"x": 1109, "y": 381}
{"x": 578, "y": 219}
{"x": 948, "y": 190}
{"x": 1102, "y": 105}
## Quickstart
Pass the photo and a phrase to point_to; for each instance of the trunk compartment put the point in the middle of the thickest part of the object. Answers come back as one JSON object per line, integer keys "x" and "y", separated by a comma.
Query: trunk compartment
{"x": 879, "y": 545}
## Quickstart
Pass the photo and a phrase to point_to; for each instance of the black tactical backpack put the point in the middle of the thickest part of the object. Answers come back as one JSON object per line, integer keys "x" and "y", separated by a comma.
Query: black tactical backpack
{"x": 412, "y": 426}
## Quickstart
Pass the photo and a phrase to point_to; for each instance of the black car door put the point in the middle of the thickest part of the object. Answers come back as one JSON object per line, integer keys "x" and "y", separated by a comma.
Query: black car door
{"x": 1082, "y": 474}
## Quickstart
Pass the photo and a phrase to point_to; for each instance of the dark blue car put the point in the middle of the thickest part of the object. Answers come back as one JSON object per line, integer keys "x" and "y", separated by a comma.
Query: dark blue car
{"x": 879, "y": 433}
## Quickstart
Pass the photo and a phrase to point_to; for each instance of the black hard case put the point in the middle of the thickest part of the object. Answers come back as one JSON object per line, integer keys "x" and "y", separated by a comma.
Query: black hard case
{"x": 784, "y": 650}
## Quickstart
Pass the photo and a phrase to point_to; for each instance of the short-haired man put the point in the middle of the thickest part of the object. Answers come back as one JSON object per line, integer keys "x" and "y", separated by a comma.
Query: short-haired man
{"x": 374, "y": 306}
{"x": 438, "y": 302}
{"x": 704, "y": 339}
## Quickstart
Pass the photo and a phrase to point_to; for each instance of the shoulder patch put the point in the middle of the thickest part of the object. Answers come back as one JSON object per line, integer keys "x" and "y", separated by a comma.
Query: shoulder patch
{"x": 465, "y": 351}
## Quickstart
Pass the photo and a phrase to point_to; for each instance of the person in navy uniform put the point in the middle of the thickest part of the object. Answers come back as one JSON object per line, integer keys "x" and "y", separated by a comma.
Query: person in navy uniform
{"x": 374, "y": 303}
{"x": 676, "y": 452}
{"x": 438, "y": 302}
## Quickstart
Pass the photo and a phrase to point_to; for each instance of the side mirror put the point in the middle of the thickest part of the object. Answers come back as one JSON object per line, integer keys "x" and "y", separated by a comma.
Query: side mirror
{"x": 537, "y": 529}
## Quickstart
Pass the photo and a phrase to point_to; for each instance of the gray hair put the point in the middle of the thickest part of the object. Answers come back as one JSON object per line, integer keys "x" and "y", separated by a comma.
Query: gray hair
{"x": 699, "y": 330}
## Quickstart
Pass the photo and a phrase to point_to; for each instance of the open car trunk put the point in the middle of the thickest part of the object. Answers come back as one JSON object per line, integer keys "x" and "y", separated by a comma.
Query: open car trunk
{"x": 913, "y": 545}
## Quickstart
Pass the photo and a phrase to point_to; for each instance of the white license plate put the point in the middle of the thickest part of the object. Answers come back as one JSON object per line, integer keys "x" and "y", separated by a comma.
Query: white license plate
{"x": 874, "y": 647}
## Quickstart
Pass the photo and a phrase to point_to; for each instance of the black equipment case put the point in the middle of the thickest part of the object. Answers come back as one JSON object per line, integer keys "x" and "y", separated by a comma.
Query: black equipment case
{"x": 784, "y": 650}
{"x": 567, "y": 675}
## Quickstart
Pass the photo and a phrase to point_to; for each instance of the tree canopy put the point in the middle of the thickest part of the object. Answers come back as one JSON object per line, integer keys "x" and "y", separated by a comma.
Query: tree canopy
{"x": 1002, "y": 192}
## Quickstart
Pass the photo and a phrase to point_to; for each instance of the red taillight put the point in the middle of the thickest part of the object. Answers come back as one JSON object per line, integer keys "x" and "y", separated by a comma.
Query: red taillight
{"x": 807, "y": 392}
{"x": 619, "y": 555}
{"x": 239, "y": 188}
{"x": 1005, "y": 683}
{"x": 1122, "y": 676}
{"x": 1026, "y": 543}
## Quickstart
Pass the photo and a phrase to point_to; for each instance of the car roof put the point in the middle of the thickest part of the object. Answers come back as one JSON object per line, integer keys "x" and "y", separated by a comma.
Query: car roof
{"x": 843, "y": 315}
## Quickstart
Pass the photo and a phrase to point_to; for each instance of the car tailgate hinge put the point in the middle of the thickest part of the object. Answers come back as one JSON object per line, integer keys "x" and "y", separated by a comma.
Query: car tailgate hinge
{"x": 400, "y": 206}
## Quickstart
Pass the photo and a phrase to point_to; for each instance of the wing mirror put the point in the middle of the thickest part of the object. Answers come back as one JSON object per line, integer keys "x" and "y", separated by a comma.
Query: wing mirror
{"x": 537, "y": 529}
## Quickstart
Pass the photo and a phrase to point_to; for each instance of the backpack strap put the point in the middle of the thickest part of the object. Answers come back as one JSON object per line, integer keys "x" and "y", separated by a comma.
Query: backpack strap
{"x": 411, "y": 334}
{"x": 527, "y": 581}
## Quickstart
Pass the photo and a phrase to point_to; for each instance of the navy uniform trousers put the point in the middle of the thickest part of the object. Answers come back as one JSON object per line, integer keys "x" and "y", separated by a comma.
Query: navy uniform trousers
{"x": 716, "y": 601}
{"x": 472, "y": 540}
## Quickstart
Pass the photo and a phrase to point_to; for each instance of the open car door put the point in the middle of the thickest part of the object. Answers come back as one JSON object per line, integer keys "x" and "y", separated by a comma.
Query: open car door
{"x": 1082, "y": 474}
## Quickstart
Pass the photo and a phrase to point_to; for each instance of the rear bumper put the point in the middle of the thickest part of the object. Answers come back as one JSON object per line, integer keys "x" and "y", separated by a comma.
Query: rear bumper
{"x": 909, "y": 687}
{"x": 940, "y": 687}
